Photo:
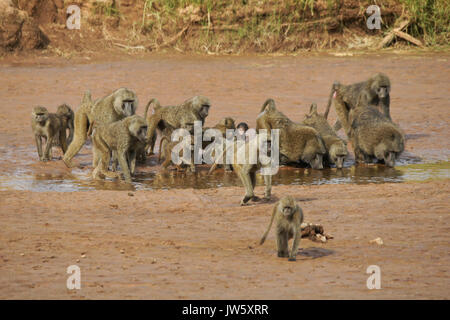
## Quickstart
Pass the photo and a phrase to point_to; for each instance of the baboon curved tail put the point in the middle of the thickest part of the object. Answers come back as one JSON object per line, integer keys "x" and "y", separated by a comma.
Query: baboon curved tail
{"x": 275, "y": 208}
{"x": 334, "y": 87}
{"x": 157, "y": 106}
{"x": 160, "y": 144}
{"x": 269, "y": 102}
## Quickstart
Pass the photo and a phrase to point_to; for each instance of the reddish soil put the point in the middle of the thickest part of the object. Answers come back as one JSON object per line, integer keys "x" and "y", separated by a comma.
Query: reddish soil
{"x": 199, "y": 244}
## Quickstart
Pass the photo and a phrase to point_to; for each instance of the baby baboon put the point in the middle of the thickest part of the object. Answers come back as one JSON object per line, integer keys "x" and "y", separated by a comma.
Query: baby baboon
{"x": 375, "y": 136}
{"x": 165, "y": 152}
{"x": 121, "y": 137}
{"x": 48, "y": 126}
{"x": 336, "y": 147}
{"x": 374, "y": 91}
{"x": 242, "y": 129}
{"x": 67, "y": 116}
{"x": 297, "y": 142}
{"x": 168, "y": 118}
{"x": 288, "y": 218}
{"x": 118, "y": 105}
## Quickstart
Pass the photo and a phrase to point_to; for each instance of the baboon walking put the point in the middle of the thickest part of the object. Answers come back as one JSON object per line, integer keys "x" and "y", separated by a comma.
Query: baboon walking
{"x": 288, "y": 218}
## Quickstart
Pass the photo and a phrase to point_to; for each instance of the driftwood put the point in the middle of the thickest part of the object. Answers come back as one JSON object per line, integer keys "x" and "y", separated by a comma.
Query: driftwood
{"x": 314, "y": 232}
{"x": 397, "y": 31}
{"x": 170, "y": 41}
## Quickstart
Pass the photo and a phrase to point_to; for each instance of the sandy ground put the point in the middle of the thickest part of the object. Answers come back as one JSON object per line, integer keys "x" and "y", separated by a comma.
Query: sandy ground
{"x": 198, "y": 243}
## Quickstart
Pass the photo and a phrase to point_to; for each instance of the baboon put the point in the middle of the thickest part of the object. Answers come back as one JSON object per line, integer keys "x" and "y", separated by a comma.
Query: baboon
{"x": 67, "y": 116}
{"x": 336, "y": 147}
{"x": 375, "y": 136}
{"x": 247, "y": 173}
{"x": 168, "y": 118}
{"x": 120, "y": 137}
{"x": 374, "y": 92}
{"x": 165, "y": 152}
{"x": 48, "y": 126}
{"x": 116, "y": 106}
{"x": 298, "y": 143}
{"x": 288, "y": 218}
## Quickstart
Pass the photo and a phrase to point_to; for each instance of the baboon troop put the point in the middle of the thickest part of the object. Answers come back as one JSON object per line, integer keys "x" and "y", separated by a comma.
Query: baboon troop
{"x": 120, "y": 138}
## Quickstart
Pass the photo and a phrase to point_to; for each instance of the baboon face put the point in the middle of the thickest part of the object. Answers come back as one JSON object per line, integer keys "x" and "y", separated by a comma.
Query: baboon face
{"x": 40, "y": 114}
{"x": 390, "y": 149}
{"x": 381, "y": 85}
{"x": 138, "y": 128}
{"x": 288, "y": 207}
{"x": 227, "y": 123}
{"x": 338, "y": 153}
{"x": 201, "y": 104}
{"x": 125, "y": 102}
{"x": 65, "y": 111}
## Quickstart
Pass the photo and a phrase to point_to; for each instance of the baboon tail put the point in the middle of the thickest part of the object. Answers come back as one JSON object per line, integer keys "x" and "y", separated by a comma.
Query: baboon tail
{"x": 269, "y": 102}
{"x": 160, "y": 144}
{"x": 275, "y": 208}
{"x": 157, "y": 106}
{"x": 330, "y": 98}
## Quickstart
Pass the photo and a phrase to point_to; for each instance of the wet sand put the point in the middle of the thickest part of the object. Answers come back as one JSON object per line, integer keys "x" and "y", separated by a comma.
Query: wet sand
{"x": 184, "y": 236}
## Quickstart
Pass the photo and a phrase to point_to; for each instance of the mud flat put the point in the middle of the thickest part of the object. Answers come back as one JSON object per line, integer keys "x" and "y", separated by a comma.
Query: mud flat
{"x": 181, "y": 235}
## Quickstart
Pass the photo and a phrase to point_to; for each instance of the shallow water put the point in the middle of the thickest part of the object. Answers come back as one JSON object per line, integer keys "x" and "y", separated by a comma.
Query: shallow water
{"x": 80, "y": 179}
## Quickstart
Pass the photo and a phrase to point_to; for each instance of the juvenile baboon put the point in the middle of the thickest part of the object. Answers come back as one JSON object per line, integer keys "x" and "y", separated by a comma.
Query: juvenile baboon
{"x": 116, "y": 106}
{"x": 247, "y": 173}
{"x": 374, "y": 92}
{"x": 288, "y": 218}
{"x": 336, "y": 147}
{"x": 67, "y": 116}
{"x": 165, "y": 152}
{"x": 48, "y": 126}
{"x": 242, "y": 129}
{"x": 168, "y": 118}
{"x": 375, "y": 136}
{"x": 297, "y": 142}
{"x": 121, "y": 137}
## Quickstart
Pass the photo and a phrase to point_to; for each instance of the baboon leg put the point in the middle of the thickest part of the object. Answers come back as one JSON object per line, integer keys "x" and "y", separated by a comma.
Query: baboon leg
{"x": 48, "y": 149}
{"x": 246, "y": 181}
{"x": 150, "y": 147}
{"x": 132, "y": 161}
{"x": 282, "y": 244}
{"x": 124, "y": 165}
{"x": 62, "y": 140}
{"x": 268, "y": 183}
{"x": 295, "y": 244}
{"x": 39, "y": 146}
{"x": 342, "y": 112}
{"x": 80, "y": 136}
{"x": 151, "y": 133}
{"x": 115, "y": 161}
{"x": 252, "y": 175}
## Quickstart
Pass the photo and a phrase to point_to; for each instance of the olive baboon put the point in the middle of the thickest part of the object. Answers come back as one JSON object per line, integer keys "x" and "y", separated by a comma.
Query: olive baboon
{"x": 116, "y": 106}
{"x": 168, "y": 118}
{"x": 48, "y": 126}
{"x": 288, "y": 219}
{"x": 375, "y": 136}
{"x": 336, "y": 147}
{"x": 67, "y": 116}
{"x": 247, "y": 172}
{"x": 165, "y": 152}
{"x": 297, "y": 142}
{"x": 374, "y": 91}
{"x": 120, "y": 137}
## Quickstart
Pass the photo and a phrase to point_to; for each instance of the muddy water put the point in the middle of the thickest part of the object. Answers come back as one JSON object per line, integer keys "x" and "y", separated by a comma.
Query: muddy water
{"x": 237, "y": 86}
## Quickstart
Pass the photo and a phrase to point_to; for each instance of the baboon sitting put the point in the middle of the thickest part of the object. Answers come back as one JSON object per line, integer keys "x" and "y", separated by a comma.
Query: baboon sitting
{"x": 168, "y": 118}
{"x": 336, "y": 147}
{"x": 288, "y": 218}
{"x": 116, "y": 106}
{"x": 375, "y": 136}
{"x": 48, "y": 126}
{"x": 121, "y": 137}
{"x": 374, "y": 92}
{"x": 298, "y": 143}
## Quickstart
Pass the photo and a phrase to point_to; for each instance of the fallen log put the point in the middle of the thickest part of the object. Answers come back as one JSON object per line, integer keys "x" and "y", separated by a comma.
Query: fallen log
{"x": 314, "y": 232}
